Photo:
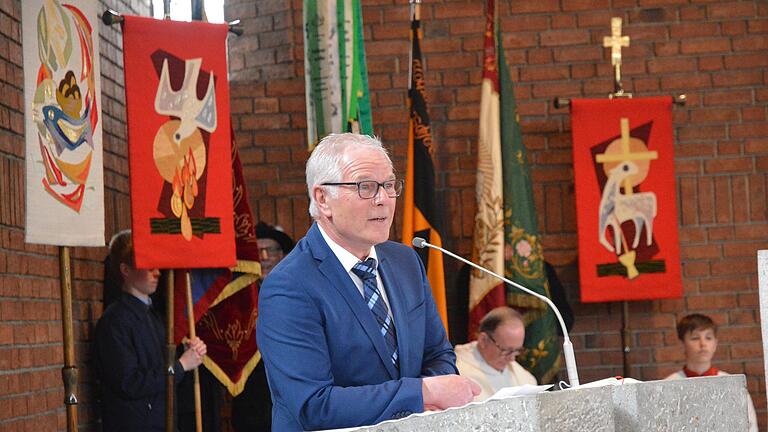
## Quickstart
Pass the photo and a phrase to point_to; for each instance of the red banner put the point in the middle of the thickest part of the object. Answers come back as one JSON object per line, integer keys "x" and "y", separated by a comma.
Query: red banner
{"x": 179, "y": 141}
{"x": 626, "y": 201}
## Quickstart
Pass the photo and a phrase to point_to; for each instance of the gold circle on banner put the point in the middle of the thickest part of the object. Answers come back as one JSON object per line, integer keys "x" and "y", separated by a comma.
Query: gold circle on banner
{"x": 168, "y": 156}
{"x": 635, "y": 146}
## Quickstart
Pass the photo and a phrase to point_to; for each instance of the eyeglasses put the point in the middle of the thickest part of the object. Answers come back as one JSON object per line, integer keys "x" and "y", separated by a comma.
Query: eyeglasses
{"x": 506, "y": 352}
{"x": 268, "y": 251}
{"x": 368, "y": 189}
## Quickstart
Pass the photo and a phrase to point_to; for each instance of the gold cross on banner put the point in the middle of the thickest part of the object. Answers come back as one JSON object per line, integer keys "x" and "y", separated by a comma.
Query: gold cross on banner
{"x": 626, "y": 154}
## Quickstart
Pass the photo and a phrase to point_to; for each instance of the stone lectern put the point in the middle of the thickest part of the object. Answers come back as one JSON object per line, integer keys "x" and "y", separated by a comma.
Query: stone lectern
{"x": 699, "y": 404}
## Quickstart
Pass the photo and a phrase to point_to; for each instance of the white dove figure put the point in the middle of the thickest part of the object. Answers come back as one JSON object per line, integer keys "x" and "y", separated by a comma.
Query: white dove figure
{"x": 192, "y": 112}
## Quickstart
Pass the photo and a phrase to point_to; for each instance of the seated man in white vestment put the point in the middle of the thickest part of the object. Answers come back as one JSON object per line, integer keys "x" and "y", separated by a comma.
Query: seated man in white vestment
{"x": 490, "y": 360}
{"x": 698, "y": 333}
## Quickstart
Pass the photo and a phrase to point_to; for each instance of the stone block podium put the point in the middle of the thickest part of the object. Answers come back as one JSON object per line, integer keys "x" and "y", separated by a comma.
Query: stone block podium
{"x": 701, "y": 404}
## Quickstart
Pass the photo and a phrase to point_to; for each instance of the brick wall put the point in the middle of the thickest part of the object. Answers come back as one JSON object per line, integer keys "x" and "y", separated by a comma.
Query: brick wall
{"x": 31, "y": 355}
{"x": 714, "y": 51}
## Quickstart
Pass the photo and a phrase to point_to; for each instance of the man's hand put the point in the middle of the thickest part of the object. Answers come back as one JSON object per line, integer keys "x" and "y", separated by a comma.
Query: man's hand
{"x": 193, "y": 355}
{"x": 446, "y": 391}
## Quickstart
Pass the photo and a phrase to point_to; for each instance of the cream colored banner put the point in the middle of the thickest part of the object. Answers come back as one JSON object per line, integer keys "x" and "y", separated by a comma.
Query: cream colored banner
{"x": 62, "y": 106}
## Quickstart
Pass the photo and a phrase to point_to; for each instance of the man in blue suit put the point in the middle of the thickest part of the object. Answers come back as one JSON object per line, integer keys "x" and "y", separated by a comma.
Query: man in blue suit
{"x": 348, "y": 328}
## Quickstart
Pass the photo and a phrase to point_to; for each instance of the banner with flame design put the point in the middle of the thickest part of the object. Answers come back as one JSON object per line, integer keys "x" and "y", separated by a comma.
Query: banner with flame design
{"x": 179, "y": 142}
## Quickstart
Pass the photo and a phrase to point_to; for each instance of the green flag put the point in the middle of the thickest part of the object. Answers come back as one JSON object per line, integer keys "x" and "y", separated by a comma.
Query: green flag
{"x": 335, "y": 70}
{"x": 524, "y": 259}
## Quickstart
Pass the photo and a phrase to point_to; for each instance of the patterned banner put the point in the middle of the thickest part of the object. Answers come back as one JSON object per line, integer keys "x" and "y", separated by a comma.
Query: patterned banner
{"x": 179, "y": 138}
{"x": 420, "y": 213}
{"x": 519, "y": 251}
{"x": 62, "y": 106}
{"x": 226, "y": 300}
{"x": 625, "y": 186}
{"x": 335, "y": 70}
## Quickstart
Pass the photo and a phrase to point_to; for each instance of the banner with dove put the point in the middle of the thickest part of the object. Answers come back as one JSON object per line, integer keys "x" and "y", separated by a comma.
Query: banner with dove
{"x": 626, "y": 209}
{"x": 62, "y": 106}
{"x": 179, "y": 142}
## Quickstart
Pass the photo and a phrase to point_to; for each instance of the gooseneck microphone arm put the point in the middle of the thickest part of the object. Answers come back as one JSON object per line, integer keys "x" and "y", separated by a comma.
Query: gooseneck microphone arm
{"x": 570, "y": 359}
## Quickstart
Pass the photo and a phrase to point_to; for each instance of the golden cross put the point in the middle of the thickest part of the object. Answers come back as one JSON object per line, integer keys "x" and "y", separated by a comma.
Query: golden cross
{"x": 615, "y": 42}
{"x": 626, "y": 154}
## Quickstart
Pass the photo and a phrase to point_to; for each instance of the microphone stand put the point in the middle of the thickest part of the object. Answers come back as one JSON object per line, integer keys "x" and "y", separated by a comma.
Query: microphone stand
{"x": 570, "y": 359}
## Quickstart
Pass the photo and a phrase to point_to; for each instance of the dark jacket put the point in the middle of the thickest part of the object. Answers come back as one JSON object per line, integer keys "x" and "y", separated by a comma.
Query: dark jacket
{"x": 128, "y": 353}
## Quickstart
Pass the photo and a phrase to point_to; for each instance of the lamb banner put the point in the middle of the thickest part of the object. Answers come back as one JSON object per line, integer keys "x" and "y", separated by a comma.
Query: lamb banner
{"x": 625, "y": 199}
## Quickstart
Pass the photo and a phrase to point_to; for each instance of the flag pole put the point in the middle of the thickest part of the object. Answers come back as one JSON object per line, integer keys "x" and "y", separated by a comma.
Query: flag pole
{"x": 198, "y": 14}
{"x": 69, "y": 371}
{"x": 170, "y": 354}
{"x": 196, "y": 373}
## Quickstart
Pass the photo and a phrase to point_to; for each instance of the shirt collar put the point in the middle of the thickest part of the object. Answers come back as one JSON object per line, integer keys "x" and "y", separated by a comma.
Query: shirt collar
{"x": 490, "y": 370}
{"x": 346, "y": 258}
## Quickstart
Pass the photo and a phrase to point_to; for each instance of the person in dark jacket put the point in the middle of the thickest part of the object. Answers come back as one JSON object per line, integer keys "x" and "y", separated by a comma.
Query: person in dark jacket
{"x": 252, "y": 409}
{"x": 128, "y": 350}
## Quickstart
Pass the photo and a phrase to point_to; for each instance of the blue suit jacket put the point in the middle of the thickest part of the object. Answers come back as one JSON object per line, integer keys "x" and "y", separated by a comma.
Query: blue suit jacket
{"x": 327, "y": 363}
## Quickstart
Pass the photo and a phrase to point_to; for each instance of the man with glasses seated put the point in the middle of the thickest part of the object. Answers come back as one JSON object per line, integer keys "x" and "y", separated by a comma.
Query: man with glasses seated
{"x": 490, "y": 360}
{"x": 348, "y": 329}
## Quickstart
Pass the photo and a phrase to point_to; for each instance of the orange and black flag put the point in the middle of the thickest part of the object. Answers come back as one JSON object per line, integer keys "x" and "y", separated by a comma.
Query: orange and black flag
{"x": 420, "y": 212}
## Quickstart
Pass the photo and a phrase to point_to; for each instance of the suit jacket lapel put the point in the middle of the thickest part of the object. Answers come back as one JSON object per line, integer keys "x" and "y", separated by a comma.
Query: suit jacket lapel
{"x": 331, "y": 268}
{"x": 396, "y": 297}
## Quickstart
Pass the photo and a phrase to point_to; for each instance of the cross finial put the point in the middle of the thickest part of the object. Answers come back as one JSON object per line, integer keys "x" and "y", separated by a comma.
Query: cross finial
{"x": 615, "y": 42}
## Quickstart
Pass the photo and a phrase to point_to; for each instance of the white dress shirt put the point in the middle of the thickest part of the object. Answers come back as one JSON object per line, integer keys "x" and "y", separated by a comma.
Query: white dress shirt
{"x": 348, "y": 261}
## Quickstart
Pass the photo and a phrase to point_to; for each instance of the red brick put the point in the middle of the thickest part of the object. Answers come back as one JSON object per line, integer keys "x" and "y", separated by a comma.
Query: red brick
{"x": 749, "y": 130}
{"x": 728, "y": 97}
{"x": 537, "y": 6}
{"x": 691, "y": 30}
{"x": 712, "y": 63}
{"x": 733, "y": 28}
{"x": 700, "y": 251}
{"x": 666, "y": 65}
{"x": 731, "y": 10}
{"x": 708, "y": 45}
{"x": 564, "y": 37}
{"x": 711, "y": 302}
{"x": 737, "y": 78}
{"x": 722, "y": 165}
{"x": 453, "y": 10}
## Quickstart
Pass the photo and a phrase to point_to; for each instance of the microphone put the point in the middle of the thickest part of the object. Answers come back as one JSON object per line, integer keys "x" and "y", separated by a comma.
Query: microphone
{"x": 570, "y": 359}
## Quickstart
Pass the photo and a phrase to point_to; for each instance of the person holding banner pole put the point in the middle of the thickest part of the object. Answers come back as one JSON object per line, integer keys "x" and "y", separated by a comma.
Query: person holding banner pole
{"x": 129, "y": 349}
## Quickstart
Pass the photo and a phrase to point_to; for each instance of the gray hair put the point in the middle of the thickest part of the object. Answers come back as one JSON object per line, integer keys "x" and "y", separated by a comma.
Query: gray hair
{"x": 325, "y": 162}
{"x": 498, "y": 316}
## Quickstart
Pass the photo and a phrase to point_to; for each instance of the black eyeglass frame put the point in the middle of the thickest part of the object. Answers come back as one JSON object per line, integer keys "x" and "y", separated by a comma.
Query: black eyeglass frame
{"x": 508, "y": 351}
{"x": 397, "y": 184}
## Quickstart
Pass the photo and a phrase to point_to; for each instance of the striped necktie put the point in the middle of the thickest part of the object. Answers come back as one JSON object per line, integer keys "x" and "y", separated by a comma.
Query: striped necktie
{"x": 365, "y": 270}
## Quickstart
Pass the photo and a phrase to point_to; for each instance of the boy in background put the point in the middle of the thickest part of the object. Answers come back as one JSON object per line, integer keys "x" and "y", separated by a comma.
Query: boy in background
{"x": 698, "y": 333}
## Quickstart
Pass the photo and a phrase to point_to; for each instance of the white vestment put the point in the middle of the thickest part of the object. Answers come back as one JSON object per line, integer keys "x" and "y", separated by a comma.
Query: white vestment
{"x": 750, "y": 406}
{"x": 471, "y": 364}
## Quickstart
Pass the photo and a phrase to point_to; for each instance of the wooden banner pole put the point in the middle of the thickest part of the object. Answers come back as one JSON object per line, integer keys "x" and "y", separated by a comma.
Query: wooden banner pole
{"x": 191, "y": 319}
{"x": 170, "y": 354}
{"x": 69, "y": 371}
